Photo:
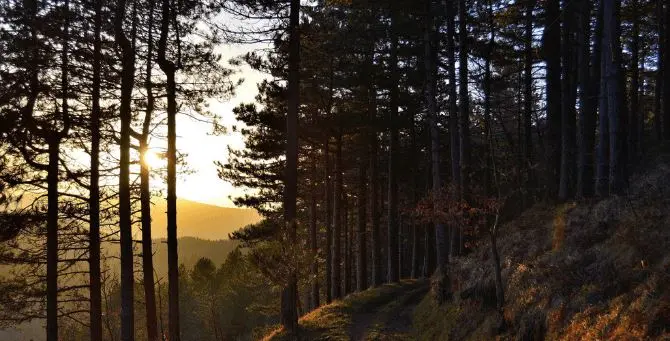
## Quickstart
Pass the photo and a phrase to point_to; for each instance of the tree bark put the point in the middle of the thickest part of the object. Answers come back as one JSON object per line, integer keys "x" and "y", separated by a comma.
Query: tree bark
{"x": 329, "y": 215}
{"x": 336, "y": 281}
{"x": 374, "y": 190}
{"x": 602, "y": 176}
{"x": 569, "y": 95}
{"x": 125, "y": 221}
{"x": 488, "y": 183}
{"x": 52, "y": 239}
{"x": 145, "y": 197}
{"x": 589, "y": 80}
{"x": 464, "y": 99}
{"x": 528, "y": 99}
{"x": 453, "y": 108}
{"x": 415, "y": 230}
{"x": 634, "y": 96}
{"x": 464, "y": 118}
{"x": 453, "y": 115}
{"x": 313, "y": 242}
{"x": 615, "y": 99}
{"x": 500, "y": 291}
{"x": 658, "y": 91}
{"x": 552, "y": 55}
{"x": 441, "y": 286}
{"x": 289, "y": 314}
{"x": 666, "y": 73}
{"x": 393, "y": 268}
{"x": 361, "y": 250}
{"x": 346, "y": 227}
{"x": 169, "y": 69}
{"x": 95, "y": 314}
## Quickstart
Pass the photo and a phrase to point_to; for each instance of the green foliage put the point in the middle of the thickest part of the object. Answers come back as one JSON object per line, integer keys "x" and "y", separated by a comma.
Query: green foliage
{"x": 228, "y": 302}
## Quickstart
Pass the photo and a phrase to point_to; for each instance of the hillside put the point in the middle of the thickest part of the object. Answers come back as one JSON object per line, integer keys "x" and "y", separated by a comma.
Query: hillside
{"x": 593, "y": 270}
{"x": 199, "y": 220}
{"x": 380, "y": 313}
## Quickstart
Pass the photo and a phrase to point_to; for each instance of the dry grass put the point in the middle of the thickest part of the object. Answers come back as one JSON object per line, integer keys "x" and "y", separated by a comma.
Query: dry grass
{"x": 559, "y": 225}
{"x": 333, "y": 322}
{"x": 577, "y": 271}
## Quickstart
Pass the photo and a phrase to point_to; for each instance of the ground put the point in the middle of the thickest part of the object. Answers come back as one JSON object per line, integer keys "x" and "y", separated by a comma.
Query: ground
{"x": 583, "y": 270}
{"x": 383, "y": 313}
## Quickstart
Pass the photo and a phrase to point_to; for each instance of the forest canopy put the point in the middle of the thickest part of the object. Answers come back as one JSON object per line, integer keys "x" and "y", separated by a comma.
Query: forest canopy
{"x": 388, "y": 140}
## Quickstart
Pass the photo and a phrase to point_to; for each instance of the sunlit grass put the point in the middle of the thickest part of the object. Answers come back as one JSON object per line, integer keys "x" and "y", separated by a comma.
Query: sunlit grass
{"x": 332, "y": 322}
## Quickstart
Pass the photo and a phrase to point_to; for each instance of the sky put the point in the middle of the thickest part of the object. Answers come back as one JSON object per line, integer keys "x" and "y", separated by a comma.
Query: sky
{"x": 202, "y": 148}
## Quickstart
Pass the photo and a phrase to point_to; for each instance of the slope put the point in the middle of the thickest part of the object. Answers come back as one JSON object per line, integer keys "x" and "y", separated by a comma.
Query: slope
{"x": 589, "y": 270}
{"x": 382, "y": 313}
{"x": 200, "y": 220}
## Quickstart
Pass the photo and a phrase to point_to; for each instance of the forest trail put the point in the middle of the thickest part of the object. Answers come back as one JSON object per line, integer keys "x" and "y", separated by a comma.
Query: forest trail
{"x": 389, "y": 321}
{"x": 379, "y": 314}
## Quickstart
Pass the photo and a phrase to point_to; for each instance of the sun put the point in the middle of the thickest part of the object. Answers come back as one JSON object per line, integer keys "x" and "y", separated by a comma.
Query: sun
{"x": 153, "y": 159}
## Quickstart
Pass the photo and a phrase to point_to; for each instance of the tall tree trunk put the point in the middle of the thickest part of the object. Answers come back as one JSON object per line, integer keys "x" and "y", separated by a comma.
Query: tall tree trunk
{"x": 569, "y": 93}
{"x": 464, "y": 98}
{"x": 415, "y": 236}
{"x": 52, "y": 240}
{"x": 634, "y": 112}
{"x": 313, "y": 240}
{"x": 428, "y": 267}
{"x": 347, "y": 244}
{"x": 528, "y": 96}
{"x": 453, "y": 114}
{"x": 552, "y": 55}
{"x": 289, "y": 314}
{"x": 415, "y": 229}
{"x": 336, "y": 282}
{"x": 374, "y": 190}
{"x": 441, "y": 279}
{"x": 169, "y": 69}
{"x": 145, "y": 196}
{"x": 602, "y": 178}
{"x": 125, "y": 222}
{"x": 147, "y": 252}
{"x": 500, "y": 290}
{"x": 54, "y": 142}
{"x": 464, "y": 116}
{"x": 329, "y": 214}
{"x": 612, "y": 26}
{"x": 488, "y": 183}
{"x": 452, "y": 107}
{"x": 393, "y": 268}
{"x": 666, "y": 73}
{"x": 519, "y": 128}
{"x": 658, "y": 91}
{"x": 361, "y": 250}
{"x": 589, "y": 79}
{"x": 95, "y": 314}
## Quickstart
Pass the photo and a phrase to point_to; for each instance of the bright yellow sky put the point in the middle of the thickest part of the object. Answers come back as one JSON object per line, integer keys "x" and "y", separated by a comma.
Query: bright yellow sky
{"x": 194, "y": 139}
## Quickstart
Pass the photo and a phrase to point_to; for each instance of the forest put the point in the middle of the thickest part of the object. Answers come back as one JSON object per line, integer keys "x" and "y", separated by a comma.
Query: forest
{"x": 423, "y": 169}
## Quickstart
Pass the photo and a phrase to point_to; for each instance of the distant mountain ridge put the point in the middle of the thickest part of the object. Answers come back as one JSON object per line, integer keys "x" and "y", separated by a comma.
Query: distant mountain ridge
{"x": 200, "y": 220}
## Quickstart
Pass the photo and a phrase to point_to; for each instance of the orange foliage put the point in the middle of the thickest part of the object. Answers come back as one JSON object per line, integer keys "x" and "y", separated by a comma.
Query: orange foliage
{"x": 443, "y": 206}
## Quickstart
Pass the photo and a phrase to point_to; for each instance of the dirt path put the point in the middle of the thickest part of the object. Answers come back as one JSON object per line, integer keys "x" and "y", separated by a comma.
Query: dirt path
{"x": 391, "y": 320}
